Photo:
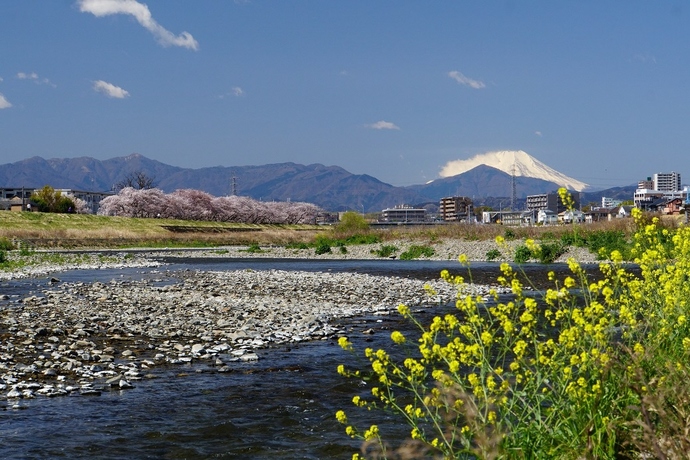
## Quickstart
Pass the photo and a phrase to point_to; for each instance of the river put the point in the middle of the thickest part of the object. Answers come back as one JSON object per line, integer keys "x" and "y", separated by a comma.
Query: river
{"x": 280, "y": 407}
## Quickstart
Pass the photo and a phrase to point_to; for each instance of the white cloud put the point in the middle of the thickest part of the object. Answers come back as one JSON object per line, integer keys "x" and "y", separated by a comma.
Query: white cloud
{"x": 142, "y": 14}
{"x": 383, "y": 125}
{"x": 109, "y": 89}
{"x": 463, "y": 80}
{"x": 538, "y": 133}
{"x": 33, "y": 76}
{"x": 27, "y": 76}
{"x": 4, "y": 103}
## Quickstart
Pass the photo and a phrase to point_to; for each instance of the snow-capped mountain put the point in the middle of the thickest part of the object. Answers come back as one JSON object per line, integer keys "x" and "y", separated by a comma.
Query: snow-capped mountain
{"x": 513, "y": 161}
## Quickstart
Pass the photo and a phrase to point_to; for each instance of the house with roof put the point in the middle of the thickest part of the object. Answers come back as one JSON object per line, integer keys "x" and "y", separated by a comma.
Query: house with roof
{"x": 624, "y": 211}
{"x": 547, "y": 217}
{"x": 571, "y": 216}
{"x": 674, "y": 207}
{"x": 600, "y": 215}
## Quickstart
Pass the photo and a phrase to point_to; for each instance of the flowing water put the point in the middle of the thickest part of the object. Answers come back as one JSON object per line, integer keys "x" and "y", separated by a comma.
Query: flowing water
{"x": 281, "y": 407}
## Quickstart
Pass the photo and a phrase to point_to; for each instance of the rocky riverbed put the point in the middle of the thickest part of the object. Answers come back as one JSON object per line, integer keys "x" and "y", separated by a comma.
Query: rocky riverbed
{"x": 84, "y": 338}
{"x": 448, "y": 249}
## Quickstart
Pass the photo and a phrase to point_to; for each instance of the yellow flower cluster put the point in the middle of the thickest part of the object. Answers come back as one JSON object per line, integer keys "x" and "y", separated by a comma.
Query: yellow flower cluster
{"x": 540, "y": 360}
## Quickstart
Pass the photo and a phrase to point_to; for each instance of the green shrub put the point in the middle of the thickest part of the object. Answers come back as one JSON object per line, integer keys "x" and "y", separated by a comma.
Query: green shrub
{"x": 352, "y": 222}
{"x": 343, "y": 249}
{"x": 254, "y": 248}
{"x": 607, "y": 241}
{"x": 574, "y": 239}
{"x": 415, "y": 252}
{"x": 523, "y": 254}
{"x": 509, "y": 234}
{"x": 493, "y": 254}
{"x": 3, "y": 256}
{"x": 386, "y": 250}
{"x": 6, "y": 244}
{"x": 549, "y": 252}
{"x": 322, "y": 248}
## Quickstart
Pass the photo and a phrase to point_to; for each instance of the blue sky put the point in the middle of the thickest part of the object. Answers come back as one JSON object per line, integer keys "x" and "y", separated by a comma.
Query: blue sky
{"x": 598, "y": 90}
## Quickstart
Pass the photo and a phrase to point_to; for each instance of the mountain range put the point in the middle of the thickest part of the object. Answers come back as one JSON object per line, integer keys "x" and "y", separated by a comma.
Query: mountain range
{"x": 331, "y": 187}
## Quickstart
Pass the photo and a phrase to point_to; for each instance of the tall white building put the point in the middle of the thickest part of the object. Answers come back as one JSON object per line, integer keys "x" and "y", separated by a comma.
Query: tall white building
{"x": 667, "y": 182}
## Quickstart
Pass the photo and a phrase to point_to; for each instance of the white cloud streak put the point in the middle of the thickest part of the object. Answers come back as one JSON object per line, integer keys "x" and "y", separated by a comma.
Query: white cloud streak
{"x": 33, "y": 76}
{"x": 237, "y": 91}
{"x": 142, "y": 14}
{"x": 27, "y": 76}
{"x": 383, "y": 125}
{"x": 109, "y": 89}
{"x": 4, "y": 103}
{"x": 463, "y": 80}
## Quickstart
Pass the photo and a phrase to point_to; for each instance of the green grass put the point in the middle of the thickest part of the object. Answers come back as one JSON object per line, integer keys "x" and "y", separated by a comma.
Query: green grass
{"x": 417, "y": 251}
{"x": 85, "y": 230}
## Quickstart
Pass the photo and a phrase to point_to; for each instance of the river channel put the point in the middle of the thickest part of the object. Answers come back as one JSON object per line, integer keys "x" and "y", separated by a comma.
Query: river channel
{"x": 279, "y": 407}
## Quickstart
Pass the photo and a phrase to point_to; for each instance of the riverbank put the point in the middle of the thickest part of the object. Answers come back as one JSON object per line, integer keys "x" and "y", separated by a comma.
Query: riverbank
{"x": 450, "y": 249}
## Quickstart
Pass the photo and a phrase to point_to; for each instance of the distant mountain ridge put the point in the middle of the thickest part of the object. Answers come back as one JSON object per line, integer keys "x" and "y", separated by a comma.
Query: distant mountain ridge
{"x": 330, "y": 187}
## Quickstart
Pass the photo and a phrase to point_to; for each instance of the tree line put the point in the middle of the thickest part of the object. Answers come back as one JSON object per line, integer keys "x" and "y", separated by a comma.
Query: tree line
{"x": 188, "y": 204}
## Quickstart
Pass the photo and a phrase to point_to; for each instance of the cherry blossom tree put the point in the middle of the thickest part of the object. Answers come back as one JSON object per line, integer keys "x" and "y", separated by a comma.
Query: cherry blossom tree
{"x": 190, "y": 204}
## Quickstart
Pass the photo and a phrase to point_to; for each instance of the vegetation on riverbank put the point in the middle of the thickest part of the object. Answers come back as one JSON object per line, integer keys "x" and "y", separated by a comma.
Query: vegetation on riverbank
{"x": 44, "y": 230}
{"x": 583, "y": 370}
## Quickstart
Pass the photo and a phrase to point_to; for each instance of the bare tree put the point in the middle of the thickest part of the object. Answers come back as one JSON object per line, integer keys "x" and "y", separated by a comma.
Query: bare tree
{"x": 138, "y": 180}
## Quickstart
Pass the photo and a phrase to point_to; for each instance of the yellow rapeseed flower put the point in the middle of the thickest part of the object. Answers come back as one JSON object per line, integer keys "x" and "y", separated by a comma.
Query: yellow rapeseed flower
{"x": 398, "y": 337}
{"x": 345, "y": 344}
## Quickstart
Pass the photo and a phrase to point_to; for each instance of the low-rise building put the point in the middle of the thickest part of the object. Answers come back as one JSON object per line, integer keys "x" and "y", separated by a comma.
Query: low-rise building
{"x": 547, "y": 217}
{"x": 403, "y": 214}
{"x": 21, "y": 196}
{"x": 609, "y": 202}
{"x": 509, "y": 218}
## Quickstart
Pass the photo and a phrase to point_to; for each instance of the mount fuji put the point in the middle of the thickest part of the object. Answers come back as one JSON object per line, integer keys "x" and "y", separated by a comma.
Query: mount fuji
{"x": 516, "y": 162}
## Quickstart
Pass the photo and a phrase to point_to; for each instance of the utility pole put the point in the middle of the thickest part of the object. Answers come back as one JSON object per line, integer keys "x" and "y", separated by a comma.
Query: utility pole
{"x": 233, "y": 184}
{"x": 513, "y": 196}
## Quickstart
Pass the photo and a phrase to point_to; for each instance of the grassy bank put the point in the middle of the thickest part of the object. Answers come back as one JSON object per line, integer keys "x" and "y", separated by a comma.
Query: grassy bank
{"x": 46, "y": 230}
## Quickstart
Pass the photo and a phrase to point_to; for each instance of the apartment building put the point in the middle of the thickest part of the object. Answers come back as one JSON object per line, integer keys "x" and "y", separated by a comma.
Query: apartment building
{"x": 663, "y": 188}
{"x": 667, "y": 182}
{"x": 456, "y": 208}
{"x": 551, "y": 201}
